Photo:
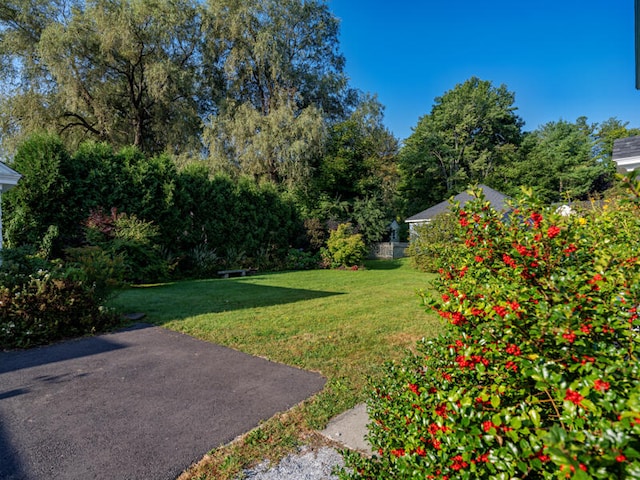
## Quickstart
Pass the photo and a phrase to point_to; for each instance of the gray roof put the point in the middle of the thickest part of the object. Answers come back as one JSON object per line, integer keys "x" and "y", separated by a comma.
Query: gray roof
{"x": 8, "y": 177}
{"x": 626, "y": 147}
{"x": 495, "y": 198}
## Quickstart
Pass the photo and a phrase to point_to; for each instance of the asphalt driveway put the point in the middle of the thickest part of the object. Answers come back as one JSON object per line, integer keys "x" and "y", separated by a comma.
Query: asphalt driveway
{"x": 144, "y": 403}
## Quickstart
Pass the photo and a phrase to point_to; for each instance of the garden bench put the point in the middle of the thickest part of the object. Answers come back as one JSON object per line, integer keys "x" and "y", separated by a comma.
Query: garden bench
{"x": 225, "y": 273}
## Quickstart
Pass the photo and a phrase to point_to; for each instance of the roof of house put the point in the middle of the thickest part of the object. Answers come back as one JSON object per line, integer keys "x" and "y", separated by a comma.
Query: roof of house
{"x": 626, "y": 153}
{"x": 495, "y": 198}
{"x": 8, "y": 177}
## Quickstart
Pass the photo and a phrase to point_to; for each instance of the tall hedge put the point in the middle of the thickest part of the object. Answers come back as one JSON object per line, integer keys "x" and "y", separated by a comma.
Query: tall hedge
{"x": 60, "y": 190}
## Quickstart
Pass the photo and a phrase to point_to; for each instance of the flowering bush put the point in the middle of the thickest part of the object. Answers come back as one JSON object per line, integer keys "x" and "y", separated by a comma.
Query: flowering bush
{"x": 537, "y": 374}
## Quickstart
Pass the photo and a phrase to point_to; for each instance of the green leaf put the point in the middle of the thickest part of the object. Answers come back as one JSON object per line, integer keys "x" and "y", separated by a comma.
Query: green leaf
{"x": 534, "y": 415}
{"x": 495, "y": 401}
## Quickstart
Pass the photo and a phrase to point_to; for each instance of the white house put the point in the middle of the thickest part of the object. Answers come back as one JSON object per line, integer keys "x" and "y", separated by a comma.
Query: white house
{"x": 8, "y": 179}
{"x": 626, "y": 153}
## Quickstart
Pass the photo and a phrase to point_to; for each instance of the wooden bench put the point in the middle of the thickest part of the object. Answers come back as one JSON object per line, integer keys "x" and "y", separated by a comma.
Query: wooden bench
{"x": 225, "y": 273}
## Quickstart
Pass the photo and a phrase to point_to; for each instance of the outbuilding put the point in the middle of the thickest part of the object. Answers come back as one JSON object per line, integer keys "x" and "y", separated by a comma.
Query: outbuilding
{"x": 497, "y": 200}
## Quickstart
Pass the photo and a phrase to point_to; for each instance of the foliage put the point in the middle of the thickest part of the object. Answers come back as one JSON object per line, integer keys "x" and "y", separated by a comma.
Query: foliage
{"x": 538, "y": 373}
{"x": 470, "y": 131}
{"x": 360, "y": 158}
{"x": 344, "y": 247}
{"x": 43, "y": 301}
{"x": 277, "y": 146}
{"x": 130, "y": 242}
{"x": 103, "y": 271}
{"x": 298, "y": 259}
{"x": 134, "y": 87}
{"x": 433, "y": 244}
{"x": 132, "y": 72}
{"x": 562, "y": 160}
{"x": 40, "y": 161}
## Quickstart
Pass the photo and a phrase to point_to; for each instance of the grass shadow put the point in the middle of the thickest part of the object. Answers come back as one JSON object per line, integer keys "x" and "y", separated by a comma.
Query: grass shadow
{"x": 384, "y": 264}
{"x": 176, "y": 301}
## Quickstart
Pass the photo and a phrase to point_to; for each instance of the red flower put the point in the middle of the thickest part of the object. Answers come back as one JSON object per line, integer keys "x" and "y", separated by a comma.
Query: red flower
{"x": 446, "y": 376}
{"x": 436, "y": 444}
{"x": 509, "y": 261}
{"x": 542, "y": 457}
{"x": 477, "y": 312}
{"x": 537, "y": 219}
{"x": 553, "y": 231}
{"x": 570, "y": 249}
{"x": 586, "y": 328}
{"x": 511, "y": 366}
{"x": 414, "y": 388}
{"x": 573, "y": 396}
{"x": 488, "y": 425}
{"x": 621, "y": 458}
{"x": 478, "y": 259}
{"x": 483, "y": 458}
{"x": 569, "y": 336}
{"x": 500, "y": 310}
{"x": 601, "y": 385}
{"x": 458, "y": 463}
{"x": 513, "y": 350}
{"x": 596, "y": 278}
{"x": 457, "y": 318}
{"x": 464, "y": 222}
{"x": 513, "y": 305}
{"x": 420, "y": 452}
{"x": 398, "y": 452}
{"x": 441, "y": 410}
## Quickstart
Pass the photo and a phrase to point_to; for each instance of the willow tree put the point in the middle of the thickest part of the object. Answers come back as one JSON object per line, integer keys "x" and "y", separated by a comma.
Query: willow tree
{"x": 278, "y": 146}
{"x": 283, "y": 77}
{"x": 126, "y": 72}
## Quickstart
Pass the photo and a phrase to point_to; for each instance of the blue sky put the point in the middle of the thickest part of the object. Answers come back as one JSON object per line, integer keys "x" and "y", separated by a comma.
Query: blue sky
{"x": 562, "y": 59}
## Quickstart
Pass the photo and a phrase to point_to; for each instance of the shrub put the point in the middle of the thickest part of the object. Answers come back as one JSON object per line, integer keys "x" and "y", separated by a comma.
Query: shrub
{"x": 47, "y": 305}
{"x": 104, "y": 272}
{"x": 433, "y": 243}
{"x": 132, "y": 241}
{"x": 298, "y": 259}
{"x": 345, "y": 248}
{"x": 537, "y": 374}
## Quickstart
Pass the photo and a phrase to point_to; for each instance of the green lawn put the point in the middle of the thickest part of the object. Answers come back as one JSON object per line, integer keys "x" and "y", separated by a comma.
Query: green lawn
{"x": 341, "y": 323}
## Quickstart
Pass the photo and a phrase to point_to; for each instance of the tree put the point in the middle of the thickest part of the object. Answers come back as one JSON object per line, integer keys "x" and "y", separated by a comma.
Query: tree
{"x": 277, "y": 46}
{"x": 561, "y": 160}
{"x": 356, "y": 180}
{"x": 360, "y": 158}
{"x": 127, "y": 72}
{"x": 278, "y": 146}
{"x": 284, "y": 78}
{"x": 470, "y": 131}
